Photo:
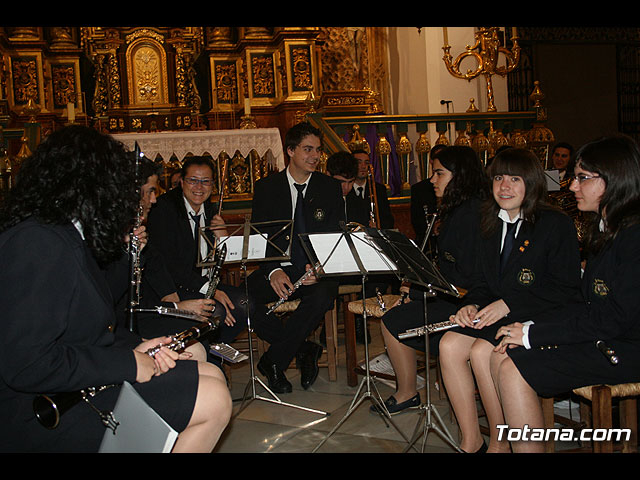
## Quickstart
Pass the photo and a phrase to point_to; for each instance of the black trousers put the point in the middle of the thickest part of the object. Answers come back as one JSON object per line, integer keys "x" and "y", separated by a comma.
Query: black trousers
{"x": 286, "y": 337}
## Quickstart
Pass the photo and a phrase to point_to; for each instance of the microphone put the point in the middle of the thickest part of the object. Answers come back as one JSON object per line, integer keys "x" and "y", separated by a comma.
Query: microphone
{"x": 442, "y": 102}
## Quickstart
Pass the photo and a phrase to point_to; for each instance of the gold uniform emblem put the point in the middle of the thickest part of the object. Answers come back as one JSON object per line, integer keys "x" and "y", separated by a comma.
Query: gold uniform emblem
{"x": 319, "y": 214}
{"x": 600, "y": 288}
{"x": 449, "y": 257}
{"x": 526, "y": 277}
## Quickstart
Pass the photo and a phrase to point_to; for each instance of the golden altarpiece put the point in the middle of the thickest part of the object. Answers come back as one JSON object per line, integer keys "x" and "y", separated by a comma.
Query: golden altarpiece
{"x": 168, "y": 87}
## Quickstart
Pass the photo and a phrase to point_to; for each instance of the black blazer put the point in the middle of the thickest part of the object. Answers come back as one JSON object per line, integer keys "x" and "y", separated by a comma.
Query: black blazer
{"x": 362, "y": 208}
{"x": 421, "y": 194}
{"x": 171, "y": 237}
{"x": 57, "y": 320}
{"x": 324, "y": 208}
{"x": 542, "y": 273}
{"x": 611, "y": 307}
{"x": 456, "y": 253}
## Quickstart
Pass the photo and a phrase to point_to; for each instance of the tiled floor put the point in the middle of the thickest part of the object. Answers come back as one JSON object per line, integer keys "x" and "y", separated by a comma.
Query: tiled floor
{"x": 264, "y": 426}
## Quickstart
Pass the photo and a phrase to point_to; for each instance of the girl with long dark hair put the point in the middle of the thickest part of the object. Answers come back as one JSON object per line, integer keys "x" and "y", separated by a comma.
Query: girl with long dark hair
{"x": 69, "y": 215}
{"x": 460, "y": 185}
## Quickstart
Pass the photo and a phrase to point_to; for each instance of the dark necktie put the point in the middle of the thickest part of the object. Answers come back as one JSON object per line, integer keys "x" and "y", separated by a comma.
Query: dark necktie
{"x": 360, "y": 192}
{"x": 196, "y": 226}
{"x": 297, "y": 253}
{"x": 509, "y": 240}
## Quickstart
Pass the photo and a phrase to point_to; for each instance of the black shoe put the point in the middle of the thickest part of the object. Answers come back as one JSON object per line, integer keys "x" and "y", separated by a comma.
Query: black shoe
{"x": 276, "y": 379}
{"x": 307, "y": 361}
{"x": 393, "y": 407}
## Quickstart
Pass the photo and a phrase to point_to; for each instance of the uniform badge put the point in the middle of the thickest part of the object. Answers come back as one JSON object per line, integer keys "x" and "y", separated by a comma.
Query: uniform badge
{"x": 526, "y": 277}
{"x": 600, "y": 288}
{"x": 449, "y": 257}
{"x": 319, "y": 214}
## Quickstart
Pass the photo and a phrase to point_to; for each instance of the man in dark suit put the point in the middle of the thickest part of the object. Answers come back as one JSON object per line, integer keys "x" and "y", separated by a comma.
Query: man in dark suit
{"x": 344, "y": 167}
{"x": 361, "y": 190}
{"x": 317, "y": 204}
{"x": 172, "y": 226}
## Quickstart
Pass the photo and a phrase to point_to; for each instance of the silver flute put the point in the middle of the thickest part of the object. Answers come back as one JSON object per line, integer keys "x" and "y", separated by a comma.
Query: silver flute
{"x": 296, "y": 285}
{"x": 433, "y": 328}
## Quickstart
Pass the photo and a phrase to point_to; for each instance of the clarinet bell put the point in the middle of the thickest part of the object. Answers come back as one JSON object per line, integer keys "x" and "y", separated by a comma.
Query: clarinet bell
{"x": 49, "y": 409}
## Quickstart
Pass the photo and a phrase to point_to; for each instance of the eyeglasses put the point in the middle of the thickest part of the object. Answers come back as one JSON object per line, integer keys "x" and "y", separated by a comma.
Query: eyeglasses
{"x": 205, "y": 182}
{"x": 581, "y": 177}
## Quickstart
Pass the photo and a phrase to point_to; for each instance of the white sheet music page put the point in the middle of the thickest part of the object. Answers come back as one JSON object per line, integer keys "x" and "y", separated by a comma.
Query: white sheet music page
{"x": 333, "y": 252}
{"x": 257, "y": 247}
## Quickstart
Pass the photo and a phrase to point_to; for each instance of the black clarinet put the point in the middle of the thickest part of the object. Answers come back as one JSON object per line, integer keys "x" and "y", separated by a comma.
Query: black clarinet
{"x": 135, "y": 269}
{"x": 214, "y": 275}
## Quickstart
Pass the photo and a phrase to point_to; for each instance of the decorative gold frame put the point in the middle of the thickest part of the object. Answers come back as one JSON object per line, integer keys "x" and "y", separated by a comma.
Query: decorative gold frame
{"x": 79, "y": 100}
{"x": 132, "y": 49}
{"x": 236, "y": 83}
{"x": 41, "y": 98}
{"x": 294, "y": 93}
{"x": 252, "y": 81}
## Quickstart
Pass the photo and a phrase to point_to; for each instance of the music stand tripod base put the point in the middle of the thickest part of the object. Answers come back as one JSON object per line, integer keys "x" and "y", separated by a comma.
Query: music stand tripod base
{"x": 427, "y": 408}
{"x": 248, "y": 229}
{"x": 254, "y": 379}
{"x": 367, "y": 388}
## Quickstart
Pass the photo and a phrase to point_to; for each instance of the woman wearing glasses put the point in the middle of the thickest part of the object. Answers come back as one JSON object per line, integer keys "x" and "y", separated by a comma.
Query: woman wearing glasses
{"x": 527, "y": 263}
{"x": 607, "y": 185}
{"x": 173, "y": 232}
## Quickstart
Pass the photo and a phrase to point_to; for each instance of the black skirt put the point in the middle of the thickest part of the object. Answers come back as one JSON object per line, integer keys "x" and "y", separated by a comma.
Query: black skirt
{"x": 559, "y": 369}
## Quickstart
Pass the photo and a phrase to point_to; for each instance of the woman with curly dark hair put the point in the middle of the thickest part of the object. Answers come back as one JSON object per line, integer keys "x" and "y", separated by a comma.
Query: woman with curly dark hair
{"x": 68, "y": 215}
{"x": 460, "y": 185}
{"x": 606, "y": 184}
{"x": 527, "y": 263}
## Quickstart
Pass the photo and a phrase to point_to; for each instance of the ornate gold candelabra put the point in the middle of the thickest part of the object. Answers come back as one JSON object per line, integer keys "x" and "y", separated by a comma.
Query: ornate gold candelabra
{"x": 486, "y": 51}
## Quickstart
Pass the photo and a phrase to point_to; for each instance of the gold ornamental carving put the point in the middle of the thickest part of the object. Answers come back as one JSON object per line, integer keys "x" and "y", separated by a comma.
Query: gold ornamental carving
{"x": 24, "y": 75}
{"x": 263, "y": 75}
{"x": 147, "y": 77}
{"x": 63, "y": 78}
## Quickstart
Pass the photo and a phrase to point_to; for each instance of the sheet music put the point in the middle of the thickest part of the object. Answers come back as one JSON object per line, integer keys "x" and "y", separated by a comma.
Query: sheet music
{"x": 333, "y": 252}
{"x": 257, "y": 247}
{"x": 141, "y": 429}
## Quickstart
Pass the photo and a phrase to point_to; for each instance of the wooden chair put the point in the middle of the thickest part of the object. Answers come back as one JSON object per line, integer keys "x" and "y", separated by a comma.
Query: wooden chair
{"x": 601, "y": 397}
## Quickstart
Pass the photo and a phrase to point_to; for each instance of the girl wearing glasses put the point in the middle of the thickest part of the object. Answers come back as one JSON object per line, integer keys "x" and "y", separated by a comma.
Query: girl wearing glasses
{"x": 527, "y": 263}
{"x": 607, "y": 186}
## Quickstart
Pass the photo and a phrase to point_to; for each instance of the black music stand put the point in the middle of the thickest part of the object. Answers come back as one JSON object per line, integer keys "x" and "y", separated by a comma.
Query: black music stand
{"x": 419, "y": 270}
{"x": 251, "y": 231}
{"x": 351, "y": 253}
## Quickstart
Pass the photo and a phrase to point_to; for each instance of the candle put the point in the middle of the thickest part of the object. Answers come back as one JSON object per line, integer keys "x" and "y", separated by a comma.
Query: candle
{"x": 247, "y": 106}
{"x": 446, "y": 38}
{"x": 71, "y": 112}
